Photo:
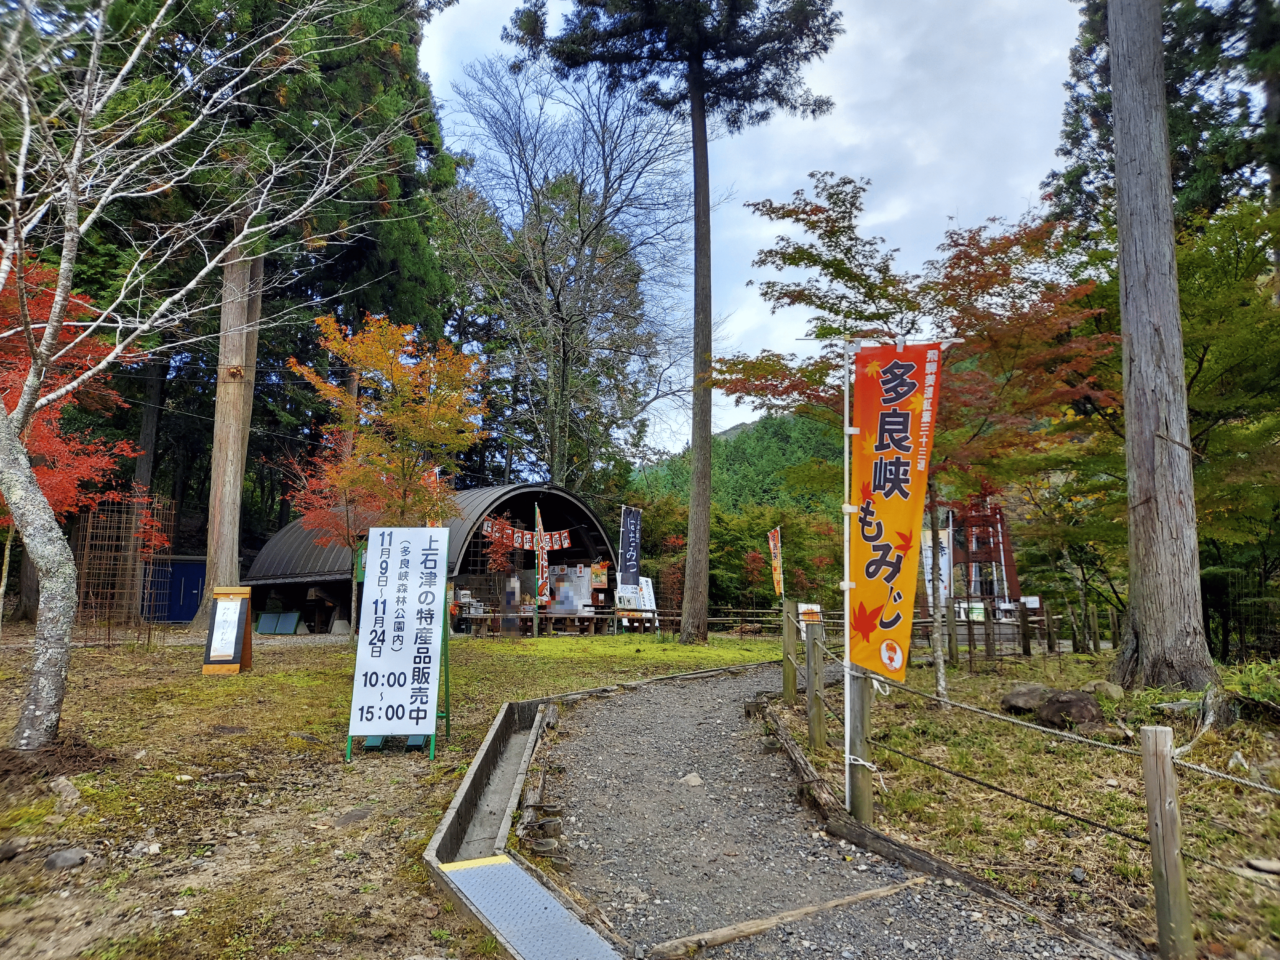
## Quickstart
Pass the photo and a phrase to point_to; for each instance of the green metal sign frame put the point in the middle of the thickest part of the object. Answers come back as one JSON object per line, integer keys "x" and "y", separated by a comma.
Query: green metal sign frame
{"x": 446, "y": 714}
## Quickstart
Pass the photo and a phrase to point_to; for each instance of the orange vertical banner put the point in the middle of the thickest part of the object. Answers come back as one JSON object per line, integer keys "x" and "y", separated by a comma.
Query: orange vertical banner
{"x": 894, "y": 400}
{"x": 775, "y": 558}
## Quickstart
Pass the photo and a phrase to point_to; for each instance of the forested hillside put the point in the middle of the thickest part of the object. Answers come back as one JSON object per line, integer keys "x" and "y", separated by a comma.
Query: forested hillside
{"x": 777, "y": 461}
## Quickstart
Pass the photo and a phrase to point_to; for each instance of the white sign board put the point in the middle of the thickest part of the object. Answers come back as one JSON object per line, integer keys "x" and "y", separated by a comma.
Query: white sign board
{"x": 401, "y": 624}
{"x": 647, "y": 600}
{"x": 944, "y": 565}
{"x": 1031, "y": 603}
{"x": 227, "y": 628}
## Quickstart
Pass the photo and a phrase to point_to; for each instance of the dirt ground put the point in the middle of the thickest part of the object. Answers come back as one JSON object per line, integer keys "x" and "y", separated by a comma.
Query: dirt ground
{"x": 221, "y": 820}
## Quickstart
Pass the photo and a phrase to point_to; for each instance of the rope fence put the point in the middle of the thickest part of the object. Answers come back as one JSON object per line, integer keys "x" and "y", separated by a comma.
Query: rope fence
{"x": 1166, "y": 841}
{"x": 1048, "y": 731}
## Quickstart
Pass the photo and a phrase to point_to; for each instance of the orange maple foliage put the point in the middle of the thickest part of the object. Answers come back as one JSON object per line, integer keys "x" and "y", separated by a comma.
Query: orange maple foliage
{"x": 415, "y": 410}
{"x": 73, "y": 469}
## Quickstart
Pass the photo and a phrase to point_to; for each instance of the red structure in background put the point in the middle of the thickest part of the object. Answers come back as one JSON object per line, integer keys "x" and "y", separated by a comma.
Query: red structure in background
{"x": 984, "y": 550}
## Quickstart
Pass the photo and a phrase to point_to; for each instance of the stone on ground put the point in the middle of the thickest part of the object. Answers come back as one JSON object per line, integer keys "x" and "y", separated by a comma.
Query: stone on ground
{"x": 1068, "y": 708}
{"x": 1104, "y": 688}
{"x": 1025, "y": 698}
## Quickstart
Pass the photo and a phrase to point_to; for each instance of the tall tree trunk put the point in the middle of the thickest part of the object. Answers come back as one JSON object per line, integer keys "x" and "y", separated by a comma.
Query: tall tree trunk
{"x": 693, "y": 614}
{"x": 144, "y": 466}
{"x": 935, "y": 581}
{"x": 241, "y": 305}
{"x": 1164, "y": 563}
{"x": 179, "y": 494}
{"x": 28, "y": 607}
{"x": 1271, "y": 140}
{"x": 4, "y": 574}
{"x": 44, "y": 541}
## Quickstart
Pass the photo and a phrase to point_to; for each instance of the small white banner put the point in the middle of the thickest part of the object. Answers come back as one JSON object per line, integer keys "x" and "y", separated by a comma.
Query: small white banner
{"x": 402, "y": 620}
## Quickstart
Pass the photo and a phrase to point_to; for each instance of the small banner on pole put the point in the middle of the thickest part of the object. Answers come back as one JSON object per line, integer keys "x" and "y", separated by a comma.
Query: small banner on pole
{"x": 540, "y": 537}
{"x": 629, "y": 549}
{"x": 894, "y": 400}
{"x": 775, "y": 558}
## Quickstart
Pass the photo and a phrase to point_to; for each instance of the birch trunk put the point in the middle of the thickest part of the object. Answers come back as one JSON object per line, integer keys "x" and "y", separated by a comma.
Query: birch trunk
{"x": 43, "y": 541}
{"x": 693, "y": 615}
{"x": 1164, "y": 563}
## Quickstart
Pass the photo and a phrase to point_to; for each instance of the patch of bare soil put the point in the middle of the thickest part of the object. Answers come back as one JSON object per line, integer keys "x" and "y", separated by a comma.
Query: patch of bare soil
{"x": 69, "y": 756}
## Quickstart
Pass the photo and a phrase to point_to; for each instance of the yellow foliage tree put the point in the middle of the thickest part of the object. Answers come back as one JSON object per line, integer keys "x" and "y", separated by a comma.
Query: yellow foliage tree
{"x": 385, "y": 460}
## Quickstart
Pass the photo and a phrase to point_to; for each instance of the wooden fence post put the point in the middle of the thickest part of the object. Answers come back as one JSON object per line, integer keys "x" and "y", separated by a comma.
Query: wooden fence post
{"x": 790, "y": 614}
{"x": 814, "y": 675}
{"x": 1093, "y": 629}
{"x": 1050, "y": 635}
{"x": 1024, "y": 623}
{"x": 1115, "y": 628}
{"x": 968, "y": 622}
{"x": 1173, "y": 903}
{"x": 859, "y": 716}
{"x": 989, "y": 628}
{"x": 953, "y": 636}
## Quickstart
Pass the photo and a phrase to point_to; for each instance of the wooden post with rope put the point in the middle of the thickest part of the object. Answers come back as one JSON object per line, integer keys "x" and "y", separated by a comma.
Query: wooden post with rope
{"x": 1168, "y": 875}
{"x": 790, "y": 624}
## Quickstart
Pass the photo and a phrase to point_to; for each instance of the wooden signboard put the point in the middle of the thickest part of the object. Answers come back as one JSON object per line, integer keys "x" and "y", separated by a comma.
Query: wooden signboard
{"x": 229, "y": 648}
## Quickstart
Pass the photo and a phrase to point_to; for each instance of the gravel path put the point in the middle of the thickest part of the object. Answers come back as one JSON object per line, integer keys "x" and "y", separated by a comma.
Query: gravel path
{"x": 665, "y": 855}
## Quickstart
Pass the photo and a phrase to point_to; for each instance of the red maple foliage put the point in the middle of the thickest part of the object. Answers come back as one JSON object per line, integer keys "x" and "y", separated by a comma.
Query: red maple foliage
{"x": 499, "y": 553}
{"x": 72, "y": 468}
{"x": 1028, "y": 350}
{"x": 866, "y": 622}
{"x": 337, "y": 514}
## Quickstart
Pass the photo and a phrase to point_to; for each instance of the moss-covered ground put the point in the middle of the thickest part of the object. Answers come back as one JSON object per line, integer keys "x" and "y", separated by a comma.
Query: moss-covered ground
{"x": 225, "y": 823}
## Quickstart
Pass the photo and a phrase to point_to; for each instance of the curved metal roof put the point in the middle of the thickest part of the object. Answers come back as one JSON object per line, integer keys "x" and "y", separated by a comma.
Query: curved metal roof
{"x": 292, "y": 556}
{"x": 476, "y": 504}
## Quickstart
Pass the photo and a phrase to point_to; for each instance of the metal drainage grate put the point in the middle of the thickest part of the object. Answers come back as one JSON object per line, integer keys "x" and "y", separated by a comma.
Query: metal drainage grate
{"x": 529, "y": 918}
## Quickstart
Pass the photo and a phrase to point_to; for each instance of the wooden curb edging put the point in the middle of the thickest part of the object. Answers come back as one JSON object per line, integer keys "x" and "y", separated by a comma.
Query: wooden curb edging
{"x": 525, "y": 718}
{"x": 688, "y": 946}
{"x": 868, "y": 838}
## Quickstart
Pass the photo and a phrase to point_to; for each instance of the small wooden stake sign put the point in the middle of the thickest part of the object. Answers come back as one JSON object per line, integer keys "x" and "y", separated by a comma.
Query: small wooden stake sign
{"x": 229, "y": 648}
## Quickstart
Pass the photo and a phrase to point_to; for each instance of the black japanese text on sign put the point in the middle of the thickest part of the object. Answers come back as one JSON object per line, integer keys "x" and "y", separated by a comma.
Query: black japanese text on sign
{"x": 401, "y": 628}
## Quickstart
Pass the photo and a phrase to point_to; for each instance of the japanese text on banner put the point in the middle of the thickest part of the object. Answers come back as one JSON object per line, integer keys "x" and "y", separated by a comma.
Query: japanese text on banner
{"x": 401, "y": 629}
{"x": 894, "y": 400}
{"x": 775, "y": 558}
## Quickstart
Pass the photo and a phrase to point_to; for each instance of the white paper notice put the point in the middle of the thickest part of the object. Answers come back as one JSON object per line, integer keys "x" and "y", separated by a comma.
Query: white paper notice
{"x": 226, "y": 628}
{"x": 401, "y": 624}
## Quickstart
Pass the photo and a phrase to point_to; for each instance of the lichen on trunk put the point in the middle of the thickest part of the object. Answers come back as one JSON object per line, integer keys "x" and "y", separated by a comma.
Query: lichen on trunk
{"x": 45, "y": 543}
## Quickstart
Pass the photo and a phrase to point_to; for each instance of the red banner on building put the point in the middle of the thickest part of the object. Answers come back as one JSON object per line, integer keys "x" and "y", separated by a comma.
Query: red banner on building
{"x": 894, "y": 400}
{"x": 502, "y": 532}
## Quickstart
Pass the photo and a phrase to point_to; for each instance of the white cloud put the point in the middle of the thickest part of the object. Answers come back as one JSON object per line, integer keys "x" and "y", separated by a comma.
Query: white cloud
{"x": 952, "y": 109}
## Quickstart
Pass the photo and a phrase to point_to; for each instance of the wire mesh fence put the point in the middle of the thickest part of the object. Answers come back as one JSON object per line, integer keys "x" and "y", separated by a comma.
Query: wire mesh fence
{"x": 123, "y": 556}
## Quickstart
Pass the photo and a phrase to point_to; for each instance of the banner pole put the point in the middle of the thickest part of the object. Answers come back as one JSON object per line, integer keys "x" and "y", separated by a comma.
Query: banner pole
{"x": 846, "y": 590}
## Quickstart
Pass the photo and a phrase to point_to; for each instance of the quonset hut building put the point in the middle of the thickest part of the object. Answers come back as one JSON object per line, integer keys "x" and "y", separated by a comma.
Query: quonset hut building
{"x": 293, "y": 573}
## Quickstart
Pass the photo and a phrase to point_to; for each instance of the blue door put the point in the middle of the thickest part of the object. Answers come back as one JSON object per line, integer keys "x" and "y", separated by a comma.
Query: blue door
{"x": 186, "y": 586}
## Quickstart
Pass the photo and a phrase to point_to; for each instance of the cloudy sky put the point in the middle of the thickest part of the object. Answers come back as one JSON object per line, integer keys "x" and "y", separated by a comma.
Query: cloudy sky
{"x": 951, "y": 107}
